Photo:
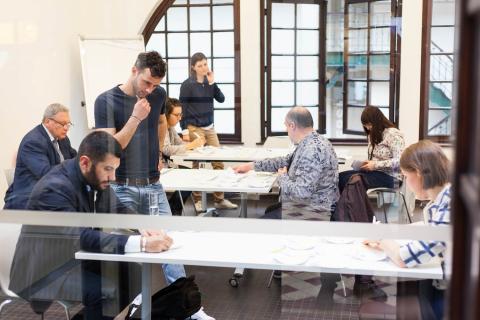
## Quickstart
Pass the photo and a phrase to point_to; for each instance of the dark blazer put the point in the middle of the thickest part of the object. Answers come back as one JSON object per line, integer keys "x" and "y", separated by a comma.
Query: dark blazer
{"x": 36, "y": 156}
{"x": 44, "y": 256}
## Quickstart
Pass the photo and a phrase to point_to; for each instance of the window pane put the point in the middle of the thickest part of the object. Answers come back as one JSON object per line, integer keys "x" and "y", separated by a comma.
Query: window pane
{"x": 282, "y": 68}
{"x": 439, "y": 122}
{"x": 441, "y": 67}
{"x": 282, "y": 42}
{"x": 161, "y": 25}
{"x": 177, "y": 45}
{"x": 307, "y": 68}
{"x": 282, "y": 94}
{"x": 223, "y": 17}
{"x": 200, "y": 42}
{"x": 224, "y": 70}
{"x": 307, "y": 93}
{"x": 199, "y": 18}
{"x": 199, "y": 1}
{"x": 278, "y": 119}
{"x": 174, "y": 91}
{"x": 222, "y": 1}
{"x": 357, "y": 67}
{"x": 443, "y": 13}
{"x": 379, "y": 94}
{"x": 380, "y": 13}
{"x": 223, "y": 44}
{"x": 224, "y": 121}
{"x": 157, "y": 43}
{"x": 177, "y": 19}
{"x": 314, "y": 112}
{"x": 283, "y": 15}
{"x": 357, "y": 41}
{"x": 380, "y": 67}
{"x": 177, "y": 70}
{"x": 353, "y": 120}
{"x": 180, "y": 2}
{"x": 229, "y": 93}
{"x": 308, "y": 16}
{"x": 442, "y": 39}
{"x": 357, "y": 93}
{"x": 358, "y": 15}
{"x": 440, "y": 95}
{"x": 380, "y": 39}
{"x": 307, "y": 42}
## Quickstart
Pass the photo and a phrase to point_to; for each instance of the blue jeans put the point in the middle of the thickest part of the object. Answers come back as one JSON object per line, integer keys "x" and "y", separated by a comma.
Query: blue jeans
{"x": 136, "y": 197}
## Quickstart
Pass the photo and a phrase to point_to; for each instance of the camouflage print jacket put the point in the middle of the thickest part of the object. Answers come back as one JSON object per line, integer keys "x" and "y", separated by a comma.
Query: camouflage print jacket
{"x": 312, "y": 177}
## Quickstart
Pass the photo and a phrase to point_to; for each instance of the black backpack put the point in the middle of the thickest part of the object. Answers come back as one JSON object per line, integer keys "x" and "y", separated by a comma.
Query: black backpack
{"x": 178, "y": 301}
{"x": 354, "y": 205}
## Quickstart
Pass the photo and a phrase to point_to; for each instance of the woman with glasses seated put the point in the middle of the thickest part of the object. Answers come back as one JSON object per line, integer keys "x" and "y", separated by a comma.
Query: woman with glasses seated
{"x": 426, "y": 171}
{"x": 173, "y": 144}
{"x": 385, "y": 145}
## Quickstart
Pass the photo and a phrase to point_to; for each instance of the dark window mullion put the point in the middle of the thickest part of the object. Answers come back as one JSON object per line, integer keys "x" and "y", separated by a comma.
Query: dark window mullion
{"x": 295, "y": 38}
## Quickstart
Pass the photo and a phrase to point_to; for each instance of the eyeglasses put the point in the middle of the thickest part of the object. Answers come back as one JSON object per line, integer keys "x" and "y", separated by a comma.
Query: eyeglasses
{"x": 67, "y": 125}
{"x": 178, "y": 115}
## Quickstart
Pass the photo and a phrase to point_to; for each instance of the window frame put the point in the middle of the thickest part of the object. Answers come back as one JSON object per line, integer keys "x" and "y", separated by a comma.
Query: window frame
{"x": 395, "y": 53}
{"x": 265, "y": 72}
{"x": 266, "y": 58}
{"x": 155, "y": 19}
{"x": 425, "y": 78}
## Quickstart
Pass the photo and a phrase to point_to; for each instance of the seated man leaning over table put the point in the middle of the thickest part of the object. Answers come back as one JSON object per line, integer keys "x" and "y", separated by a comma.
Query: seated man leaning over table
{"x": 78, "y": 185}
{"x": 173, "y": 144}
{"x": 308, "y": 177}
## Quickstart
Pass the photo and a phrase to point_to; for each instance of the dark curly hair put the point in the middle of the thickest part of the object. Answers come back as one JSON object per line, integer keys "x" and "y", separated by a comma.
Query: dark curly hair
{"x": 152, "y": 60}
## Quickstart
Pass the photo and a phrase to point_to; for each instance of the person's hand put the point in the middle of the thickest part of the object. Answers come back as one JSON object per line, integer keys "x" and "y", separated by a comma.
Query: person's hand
{"x": 368, "y": 166}
{"x": 141, "y": 109}
{"x": 158, "y": 243}
{"x": 243, "y": 168}
{"x": 210, "y": 77}
{"x": 199, "y": 142}
{"x": 150, "y": 232}
{"x": 186, "y": 137}
{"x": 283, "y": 170}
{"x": 374, "y": 244}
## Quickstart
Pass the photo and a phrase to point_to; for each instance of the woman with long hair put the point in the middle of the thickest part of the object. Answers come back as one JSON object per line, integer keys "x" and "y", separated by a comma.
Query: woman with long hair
{"x": 426, "y": 171}
{"x": 196, "y": 95}
{"x": 173, "y": 145}
{"x": 385, "y": 145}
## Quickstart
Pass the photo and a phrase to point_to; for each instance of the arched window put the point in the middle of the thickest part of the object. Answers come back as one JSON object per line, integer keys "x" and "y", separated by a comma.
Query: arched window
{"x": 180, "y": 28}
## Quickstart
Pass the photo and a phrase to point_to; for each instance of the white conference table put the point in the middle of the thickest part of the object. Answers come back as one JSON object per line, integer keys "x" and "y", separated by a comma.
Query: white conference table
{"x": 209, "y": 180}
{"x": 264, "y": 251}
{"x": 236, "y": 154}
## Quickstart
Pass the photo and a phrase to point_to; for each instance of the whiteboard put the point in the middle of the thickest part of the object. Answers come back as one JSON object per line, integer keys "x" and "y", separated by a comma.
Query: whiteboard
{"x": 105, "y": 64}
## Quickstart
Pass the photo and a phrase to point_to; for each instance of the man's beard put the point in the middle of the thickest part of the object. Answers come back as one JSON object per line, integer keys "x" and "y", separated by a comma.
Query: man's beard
{"x": 92, "y": 178}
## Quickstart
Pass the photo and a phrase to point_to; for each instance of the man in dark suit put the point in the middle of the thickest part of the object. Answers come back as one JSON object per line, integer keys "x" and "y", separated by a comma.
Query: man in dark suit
{"x": 44, "y": 261}
{"x": 43, "y": 147}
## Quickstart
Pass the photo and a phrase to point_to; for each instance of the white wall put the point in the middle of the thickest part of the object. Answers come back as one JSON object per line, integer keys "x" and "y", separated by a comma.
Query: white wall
{"x": 39, "y": 63}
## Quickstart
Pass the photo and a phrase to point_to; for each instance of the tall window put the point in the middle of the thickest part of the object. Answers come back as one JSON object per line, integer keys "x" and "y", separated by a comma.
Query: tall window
{"x": 437, "y": 70}
{"x": 332, "y": 57}
{"x": 370, "y": 60}
{"x": 179, "y": 29}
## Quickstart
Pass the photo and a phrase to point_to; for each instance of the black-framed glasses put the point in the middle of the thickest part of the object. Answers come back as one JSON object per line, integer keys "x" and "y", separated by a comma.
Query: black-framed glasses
{"x": 67, "y": 125}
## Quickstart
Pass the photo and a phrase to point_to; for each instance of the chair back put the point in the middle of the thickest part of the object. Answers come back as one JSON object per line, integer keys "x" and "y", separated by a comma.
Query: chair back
{"x": 9, "y": 174}
{"x": 277, "y": 142}
{"x": 9, "y": 234}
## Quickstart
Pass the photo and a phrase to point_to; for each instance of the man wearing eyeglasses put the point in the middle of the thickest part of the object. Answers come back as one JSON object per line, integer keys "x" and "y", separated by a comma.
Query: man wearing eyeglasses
{"x": 43, "y": 147}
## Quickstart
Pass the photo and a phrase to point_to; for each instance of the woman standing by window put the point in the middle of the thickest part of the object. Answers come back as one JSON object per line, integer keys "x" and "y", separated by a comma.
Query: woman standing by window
{"x": 385, "y": 145}
{"x": 196, "y": 95}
